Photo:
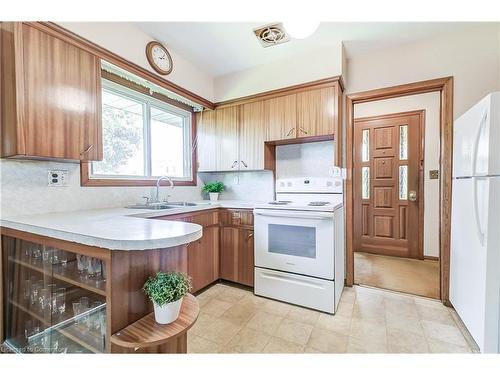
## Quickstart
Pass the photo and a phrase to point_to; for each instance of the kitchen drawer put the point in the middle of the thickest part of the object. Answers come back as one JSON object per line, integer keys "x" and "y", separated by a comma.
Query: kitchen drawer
{"x": 301, "y": 290}
{"x": 236, "y": 217}
{"x": 203, "y": 218}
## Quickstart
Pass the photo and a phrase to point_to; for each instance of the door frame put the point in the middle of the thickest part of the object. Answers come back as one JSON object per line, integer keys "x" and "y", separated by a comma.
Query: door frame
{"x": 421, "y": 171}
{"x": 445, "y": 87}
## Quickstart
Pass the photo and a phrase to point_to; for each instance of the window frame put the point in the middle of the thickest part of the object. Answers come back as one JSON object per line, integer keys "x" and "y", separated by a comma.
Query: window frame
{"x": 133, "y": 91}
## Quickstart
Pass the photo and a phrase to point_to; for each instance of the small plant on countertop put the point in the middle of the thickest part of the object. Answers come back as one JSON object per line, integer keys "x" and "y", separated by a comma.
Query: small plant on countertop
{"x": 213, "y": 187}
{"x": 167, "y": 287}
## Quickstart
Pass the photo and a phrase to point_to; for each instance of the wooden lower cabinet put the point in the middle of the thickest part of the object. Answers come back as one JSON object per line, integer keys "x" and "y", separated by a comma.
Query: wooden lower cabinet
{"x": 203, "y": 259}
{"x": 236, "y": 255}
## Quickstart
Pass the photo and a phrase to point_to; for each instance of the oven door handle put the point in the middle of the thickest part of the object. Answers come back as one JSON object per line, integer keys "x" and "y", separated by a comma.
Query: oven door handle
{"x": 294, "y": 214}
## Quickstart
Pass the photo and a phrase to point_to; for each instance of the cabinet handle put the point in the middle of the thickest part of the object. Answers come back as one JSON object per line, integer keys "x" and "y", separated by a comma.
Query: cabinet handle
{"x": 244, "y": 164}
{"x": 89, "y": 147}
{"x": 250, "y": 235}
{"x": 289, "y": 132}
{"x": 234, "y": 164}
{"x": 303, "y": 131}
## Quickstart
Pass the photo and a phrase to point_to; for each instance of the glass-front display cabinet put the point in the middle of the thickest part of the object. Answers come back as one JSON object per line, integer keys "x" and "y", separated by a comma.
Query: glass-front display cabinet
{"x": 54, "y": 300}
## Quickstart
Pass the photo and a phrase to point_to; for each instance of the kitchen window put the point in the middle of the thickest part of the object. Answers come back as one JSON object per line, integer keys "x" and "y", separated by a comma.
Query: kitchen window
{"x": 143, "y": 138}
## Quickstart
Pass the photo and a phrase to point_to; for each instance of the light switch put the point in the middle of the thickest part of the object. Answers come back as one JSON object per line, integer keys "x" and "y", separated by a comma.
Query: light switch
{"x": 434, "y": 174}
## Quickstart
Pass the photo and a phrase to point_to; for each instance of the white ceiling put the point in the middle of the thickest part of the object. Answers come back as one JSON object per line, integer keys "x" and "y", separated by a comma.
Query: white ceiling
{"x": 220, "y": 48}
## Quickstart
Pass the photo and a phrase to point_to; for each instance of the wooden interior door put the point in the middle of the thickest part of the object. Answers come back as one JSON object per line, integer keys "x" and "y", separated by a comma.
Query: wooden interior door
{"x": 388, "y": 192}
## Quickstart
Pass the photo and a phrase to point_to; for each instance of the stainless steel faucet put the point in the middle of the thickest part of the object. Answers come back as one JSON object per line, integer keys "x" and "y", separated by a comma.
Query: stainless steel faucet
{"x": 161, "y": 178}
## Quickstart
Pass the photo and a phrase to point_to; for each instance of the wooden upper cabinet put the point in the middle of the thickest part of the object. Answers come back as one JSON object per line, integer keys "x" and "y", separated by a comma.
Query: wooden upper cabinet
{"x": 206, "y": 141}
{"x": 218, "y": 139}
{"x": 227, "y": 140}
{"x": 55, "y": 111}
{"x": 280, "y": 117}
{"x": 316, "y": 112}
{"x": 252, "y": 136}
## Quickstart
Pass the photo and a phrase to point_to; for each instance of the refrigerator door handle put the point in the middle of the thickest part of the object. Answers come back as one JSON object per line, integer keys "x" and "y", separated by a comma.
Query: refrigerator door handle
{"x": 476, "y": 142}
{"x": 479, "y": 230}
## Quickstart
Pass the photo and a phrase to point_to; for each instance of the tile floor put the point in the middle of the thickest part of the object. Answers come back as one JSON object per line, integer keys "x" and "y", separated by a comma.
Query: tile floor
{"x": 234, "y": 320}
{"x": 414, "y": 276}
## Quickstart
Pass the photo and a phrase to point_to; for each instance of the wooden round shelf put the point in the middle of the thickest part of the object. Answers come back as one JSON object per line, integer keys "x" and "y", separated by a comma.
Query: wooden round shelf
{"x": 146, "y": 333}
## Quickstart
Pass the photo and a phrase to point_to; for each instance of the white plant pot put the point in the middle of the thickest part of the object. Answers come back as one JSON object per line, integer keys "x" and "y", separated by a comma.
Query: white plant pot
{"x": 214, "y": 196}
{"x": 167, "y": 313}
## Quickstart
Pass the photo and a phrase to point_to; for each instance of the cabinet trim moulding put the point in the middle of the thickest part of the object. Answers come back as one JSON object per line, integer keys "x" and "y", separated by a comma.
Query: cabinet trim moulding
{"x": 312, "y": 85}
{"x": 60, "y": 32}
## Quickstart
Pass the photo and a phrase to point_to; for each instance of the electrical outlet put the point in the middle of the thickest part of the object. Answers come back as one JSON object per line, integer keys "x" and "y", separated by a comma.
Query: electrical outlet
{"x": 58, "y": 177}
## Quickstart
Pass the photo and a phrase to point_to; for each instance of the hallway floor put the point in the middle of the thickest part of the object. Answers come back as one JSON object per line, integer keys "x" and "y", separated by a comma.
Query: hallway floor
{"x": 413, "y": 276}
{"x": 234, "y": 320}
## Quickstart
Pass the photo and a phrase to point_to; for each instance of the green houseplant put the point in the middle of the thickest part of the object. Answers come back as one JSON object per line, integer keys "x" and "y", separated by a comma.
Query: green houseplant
{"x": 166, "y": 290}
{"x": 213, "y": 189}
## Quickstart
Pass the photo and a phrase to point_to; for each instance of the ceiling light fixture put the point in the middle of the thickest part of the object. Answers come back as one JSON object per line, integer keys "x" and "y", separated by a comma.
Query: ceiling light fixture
{"x": 300, "y": 29}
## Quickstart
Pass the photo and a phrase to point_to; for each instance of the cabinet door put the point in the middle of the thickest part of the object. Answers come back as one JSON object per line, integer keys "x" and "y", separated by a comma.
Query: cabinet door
{"x": 252, "y": 136}
{"x": 62, "y": 90}
{"x": 206, "y": 141}
{"x": 236, "y": 255}
{"x": 227, "y": 138}
{"x": 316, "y": 112}
{"x": 280, "y": 116}
{"x": 229, "y": 239}
{"x": 203, "y": 259}
{"x": 246, "y": 258}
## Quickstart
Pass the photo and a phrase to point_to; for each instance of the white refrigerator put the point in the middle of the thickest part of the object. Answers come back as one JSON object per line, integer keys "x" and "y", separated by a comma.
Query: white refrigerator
{"x": 475, "y": 222}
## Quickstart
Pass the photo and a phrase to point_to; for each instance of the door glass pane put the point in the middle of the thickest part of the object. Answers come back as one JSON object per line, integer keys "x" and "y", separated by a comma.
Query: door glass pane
{"x": 167, "y": 143}
{"x": 403, "y": 142}
{"x": 292, "y": 240}
{"x": 366, "y": 145}
{"x": 122, "y": 137}
{"x": 403, "y": 182}
{"x": 365, "y": 183}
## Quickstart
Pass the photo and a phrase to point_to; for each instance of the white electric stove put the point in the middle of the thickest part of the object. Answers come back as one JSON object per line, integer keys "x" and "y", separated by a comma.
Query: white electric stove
{"x": 299, "y": 243}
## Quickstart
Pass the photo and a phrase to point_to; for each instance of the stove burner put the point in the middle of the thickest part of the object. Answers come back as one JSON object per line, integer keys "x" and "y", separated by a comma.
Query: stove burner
{"x": 318, "y": 203}
{"x": 280, "y": 203}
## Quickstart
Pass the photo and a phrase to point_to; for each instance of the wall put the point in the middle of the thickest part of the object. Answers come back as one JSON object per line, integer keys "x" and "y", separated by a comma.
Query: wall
{"x": 24, "y": 190}
{"x": 431, "y": 104}
{"x": 304, "y": 160}
{"x": 292, "y": 71}
{"x": 471, "y": 56}
{"x": 129, "y": 42}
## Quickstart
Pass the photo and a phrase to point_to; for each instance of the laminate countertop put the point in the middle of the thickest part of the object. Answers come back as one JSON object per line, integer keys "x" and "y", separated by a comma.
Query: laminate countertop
{"x": 119, "y": 228}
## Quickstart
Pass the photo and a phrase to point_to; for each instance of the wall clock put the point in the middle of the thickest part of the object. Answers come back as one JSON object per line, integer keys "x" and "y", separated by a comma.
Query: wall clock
{"x": 159, "y": 58}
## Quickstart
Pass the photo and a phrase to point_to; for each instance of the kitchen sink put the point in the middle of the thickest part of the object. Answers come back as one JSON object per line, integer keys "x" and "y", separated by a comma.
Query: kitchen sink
{"x": 152, "y": 206}
{"x": 189, "y": 204}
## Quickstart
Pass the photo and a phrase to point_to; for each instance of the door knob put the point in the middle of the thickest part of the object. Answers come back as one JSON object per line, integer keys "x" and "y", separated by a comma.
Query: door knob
{"x": 412, "y": 195}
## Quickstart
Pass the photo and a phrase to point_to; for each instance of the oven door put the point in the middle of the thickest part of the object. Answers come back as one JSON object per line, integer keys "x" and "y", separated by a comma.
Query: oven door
{"x": 295, "y": 241}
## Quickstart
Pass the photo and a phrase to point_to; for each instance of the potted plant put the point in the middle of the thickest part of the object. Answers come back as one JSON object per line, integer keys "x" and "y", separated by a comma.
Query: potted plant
{"x": 166, "y": 290}
{"x": 213, "y": 189}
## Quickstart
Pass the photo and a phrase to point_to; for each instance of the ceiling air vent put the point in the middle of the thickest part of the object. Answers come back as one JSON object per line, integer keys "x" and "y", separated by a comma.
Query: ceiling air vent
{"x": 271, "y": 35}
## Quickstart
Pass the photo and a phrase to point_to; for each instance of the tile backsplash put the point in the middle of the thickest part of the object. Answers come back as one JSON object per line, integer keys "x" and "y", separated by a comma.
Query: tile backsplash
{"x": 304, "y": 160}
{"x": 25, "y": 191}
{"x": 251, "y": 185}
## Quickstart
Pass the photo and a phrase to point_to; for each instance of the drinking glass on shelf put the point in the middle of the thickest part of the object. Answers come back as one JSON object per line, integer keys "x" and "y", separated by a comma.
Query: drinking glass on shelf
{"x": 91, "y": 267}
{"x": 81, "y": 263}
{"x": 28, "y": 250}
{"x": 77, "y": 310}
{"x": 63, "y": 258}
{"x": 47, "y": 254}
{"x": 94, "y": 320}
{"x": 36, "y": 253}
{"x": 35, "y": 288}
{"x": 59, "y": 297}
{"x": 85, "y": 301}
{"x": 44, "y": 298}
